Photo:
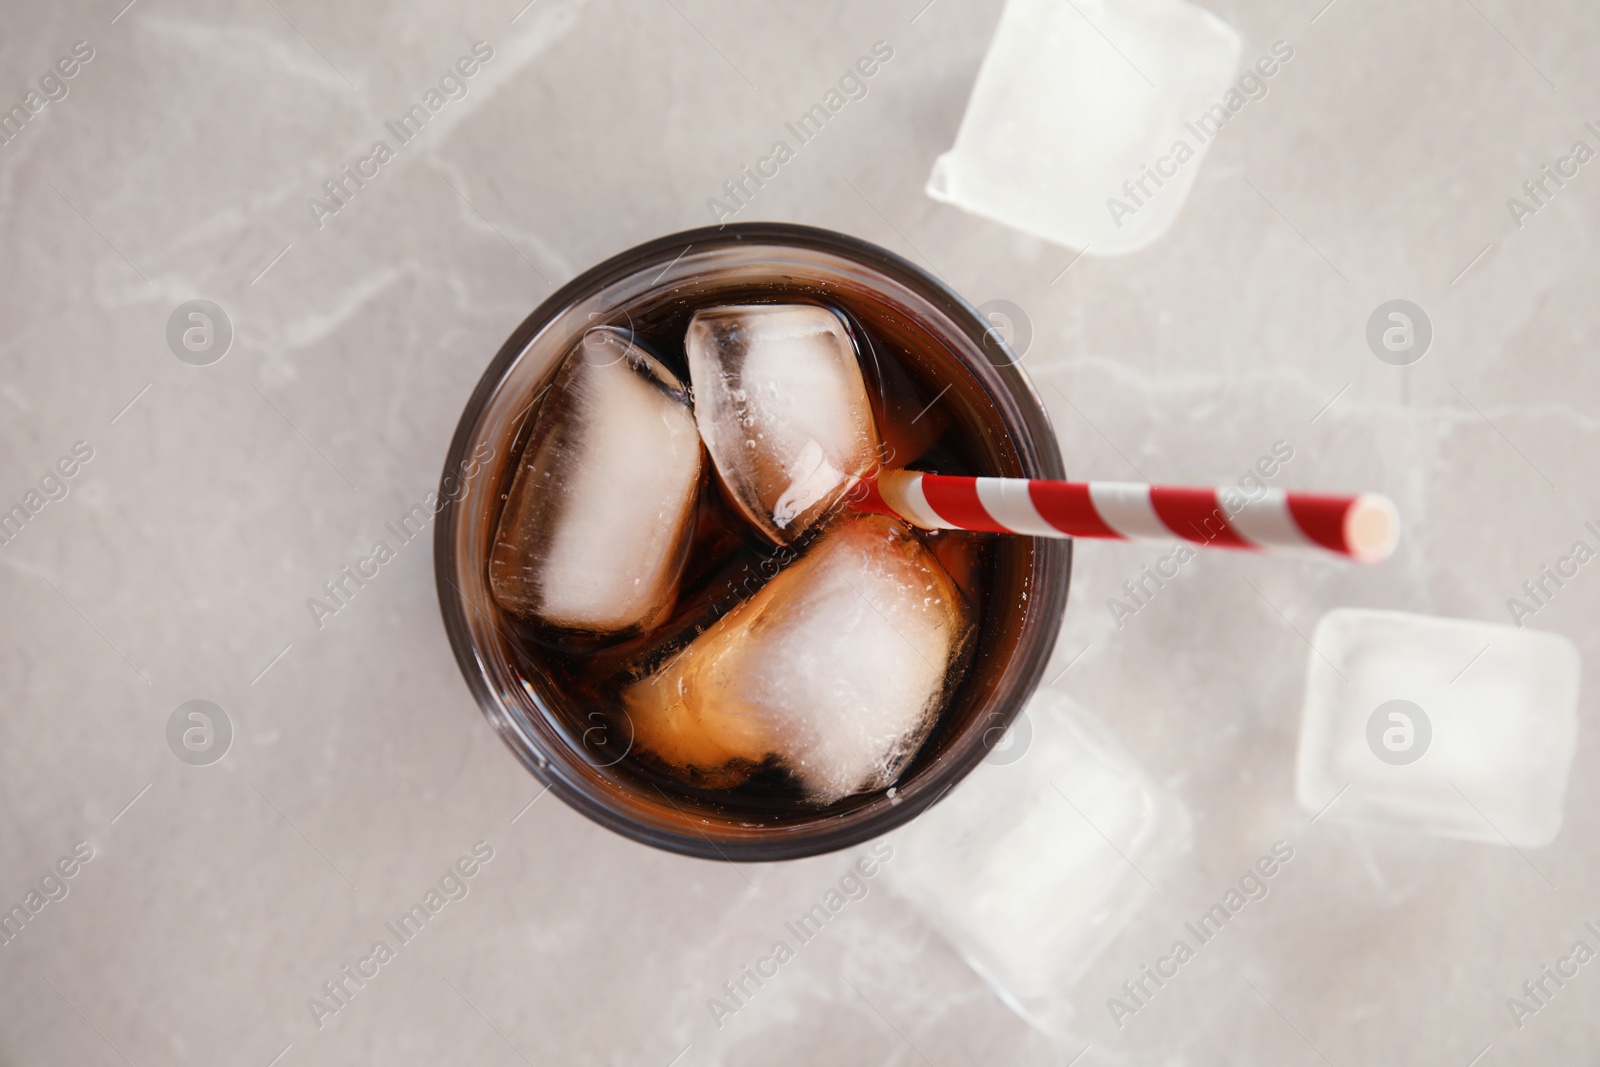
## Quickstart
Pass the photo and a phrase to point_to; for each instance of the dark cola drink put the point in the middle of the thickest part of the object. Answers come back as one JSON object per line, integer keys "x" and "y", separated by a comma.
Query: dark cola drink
{"x": 678, "y": 557}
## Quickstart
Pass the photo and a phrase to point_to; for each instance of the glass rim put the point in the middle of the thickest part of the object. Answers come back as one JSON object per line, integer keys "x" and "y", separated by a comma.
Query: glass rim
{"x": 1037, "y": 451}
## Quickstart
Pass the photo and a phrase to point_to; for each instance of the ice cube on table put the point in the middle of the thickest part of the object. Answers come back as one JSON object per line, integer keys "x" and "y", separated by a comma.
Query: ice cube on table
{"x": 1076, "y": 98}
{"x": 594, "y": 533}
{"x": 1461, "y": 729}
{"x": 838, "y": 667}
{"x": 783, "y": 409}
{"x": 1019, "y": 867}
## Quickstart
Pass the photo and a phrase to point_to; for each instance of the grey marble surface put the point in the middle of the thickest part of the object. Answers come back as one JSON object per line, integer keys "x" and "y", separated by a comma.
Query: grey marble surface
{"x": 218, "y": 499}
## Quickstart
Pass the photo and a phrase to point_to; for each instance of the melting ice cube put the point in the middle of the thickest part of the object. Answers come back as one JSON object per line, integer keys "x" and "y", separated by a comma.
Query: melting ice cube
{"x": 838, "y": 667}
{"x": 594, "y": 532}
{"x": 1031, "y": 867}
{"x": 1076, "y": 98}
{"x": 783, "y": 409}
{"x": 1461, "y": 729}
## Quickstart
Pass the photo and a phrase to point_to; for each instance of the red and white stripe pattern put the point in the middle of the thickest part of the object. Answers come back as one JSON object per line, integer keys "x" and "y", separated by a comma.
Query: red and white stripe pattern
{"x": 1364, "y": 527}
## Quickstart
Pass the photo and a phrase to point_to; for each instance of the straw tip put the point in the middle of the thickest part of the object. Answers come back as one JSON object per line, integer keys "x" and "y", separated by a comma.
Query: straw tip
{"x": 1371, "y": 528}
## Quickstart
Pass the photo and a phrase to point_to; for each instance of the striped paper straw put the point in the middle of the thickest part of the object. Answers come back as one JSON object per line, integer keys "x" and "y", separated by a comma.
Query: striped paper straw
{"x": 1364, "y": 527}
